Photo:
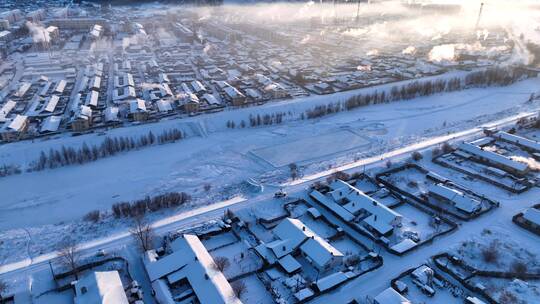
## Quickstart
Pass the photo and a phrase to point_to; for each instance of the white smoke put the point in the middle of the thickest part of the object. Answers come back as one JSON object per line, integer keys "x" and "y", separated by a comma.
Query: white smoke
{"x": 440, "y": 53}
{"x": 38, "y": 32}
{"x": 531, "y": 162}
{"x": 411, "y": 50}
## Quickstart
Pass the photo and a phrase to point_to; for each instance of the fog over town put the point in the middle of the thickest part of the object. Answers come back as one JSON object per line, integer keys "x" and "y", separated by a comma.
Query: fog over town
{"x": 210, "y": 151}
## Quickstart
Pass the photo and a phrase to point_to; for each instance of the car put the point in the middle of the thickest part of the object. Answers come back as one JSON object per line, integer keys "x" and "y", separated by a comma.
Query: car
{"x": 280, "y": 194}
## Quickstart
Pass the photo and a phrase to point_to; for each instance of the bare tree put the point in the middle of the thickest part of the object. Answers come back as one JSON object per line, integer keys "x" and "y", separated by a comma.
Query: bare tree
{"x": 142, "y": 233}
{"x": 3, "y": 288}
{"x": 222, "y": 263}
{"x": 69, "y": 254}
{"x": 239, "y": 288}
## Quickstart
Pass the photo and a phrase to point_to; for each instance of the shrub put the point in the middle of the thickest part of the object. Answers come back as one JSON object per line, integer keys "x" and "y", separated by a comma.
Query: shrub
{"x": 388, "y": 164}
{"x": 92, "y": 216}
{"x": 491, "y": 253}
{"x": 222, "y": 263}
{"x": 518, "y": 267}
{"x": 239, "y": 288}
{"x": 416, "y": 156}
{"x": 446, "y": 148}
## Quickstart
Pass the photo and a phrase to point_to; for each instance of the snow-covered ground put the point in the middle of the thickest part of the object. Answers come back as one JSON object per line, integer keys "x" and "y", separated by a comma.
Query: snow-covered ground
{"x": 226, "y": 157}
{"x": 44, "y": 206}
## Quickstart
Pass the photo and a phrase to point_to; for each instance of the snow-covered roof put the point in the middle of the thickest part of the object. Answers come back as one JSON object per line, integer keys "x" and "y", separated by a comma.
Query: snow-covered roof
{"x": 190, "y": 260}
{"x": 51, "y": 124}
{"x": 137, "y": 105}
{"x": 289, "y": 263}
{"x": 164, "y": 105}
{"x": 92, "y": 98}
{"x": 404, "y": 245}
{"x": 232, "y": 92}
{"x": 23, "y": 88}
{"x": 111, "y": 114}
{"x": 518, "y": 140}
{"x": 6, "y": 109}
{"x": 18, "y": 123}
{"x": 291, "y": 232}
{"x": 390, "y": 296}
{"x": 319, "y": 251}
{"x": 458, "y": 198}
{"x": 100, "y": 288}
{"x": 60, "y": 87}
{"x": 382, "y": 218}
{"x": 330, "y": 204}
{"x": 198, "y": 86}
{"x": 331, "y": 281}
{"x": 532, "y": 215}
{"x": 51, "y": 105}
{"x": 211, "y": 99}
{"x": 96, "y": 83}
{"x": 493, "y": 157}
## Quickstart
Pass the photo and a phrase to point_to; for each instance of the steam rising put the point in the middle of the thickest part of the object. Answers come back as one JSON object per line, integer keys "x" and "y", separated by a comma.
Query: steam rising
{"x": 38, "y": 32}
{"x": 531, "y": 162}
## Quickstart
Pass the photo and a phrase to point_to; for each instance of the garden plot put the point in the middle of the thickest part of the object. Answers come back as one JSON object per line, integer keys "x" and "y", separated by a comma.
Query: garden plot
{"x": 255, "y": 291}
{"x": 437, "y": 192}
{"x": 311, "y": 148}
{"x": 425, "y": 285}
{"x": 217, "y": 241}
{"x": 241, "y": 260}
{"x": 417, "y": 224}
{"x": 377, "y": 191}
{"x": 495, "y": 265}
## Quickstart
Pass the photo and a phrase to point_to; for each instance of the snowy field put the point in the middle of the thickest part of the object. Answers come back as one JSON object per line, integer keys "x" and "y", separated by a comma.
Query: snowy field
{"x": 311, "y": 148}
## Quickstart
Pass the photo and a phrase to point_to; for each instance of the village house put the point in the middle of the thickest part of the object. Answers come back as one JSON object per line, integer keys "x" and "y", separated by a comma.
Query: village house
{"x": 455, "y": 197}
{"x": 15, "y": 128}
{"x": 100, "y": 287}
{"x": 375, "y": 215}
{"x": 137, "y": 110}
{"x": 493, "y": 159}
{"x": 293, "y": 236}
{"x": 82, "y": 119}
{"x": 187, "y": 275}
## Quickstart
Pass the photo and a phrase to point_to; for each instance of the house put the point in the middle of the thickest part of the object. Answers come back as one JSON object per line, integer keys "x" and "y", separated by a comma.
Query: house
{"x": 15, "y": 128}
{"x": 111, "y": 114}
{"x": 60, "y": 87}
{"x": 276, "y": 91}
{"x": 92, "y": 99}
{"x": 51, "y": 104}
{"x": 6, "y": 109}
{"x": 455, "y": 197}
{"x": 234, "y": 96}
{"x": 123, "y": 93}
{"x": 525, "y": 143}
{"x": 532, "y": 216}
{"x": 100, "y": 287}
{"x": 190, "y": 269}
{"x": 292, "y": 236}
{"x": 124, "y": 81}
{"x": 375, "y": 215}
{"x": 211, "y": 100}
{"x": 190, "y": 103}
{"x": 493, "y": 159}
{"x": 390, "y": 296}
{"x": 164, "y": 105}
{"x": 137, "y": 110}
{"x": 82, "y": 119}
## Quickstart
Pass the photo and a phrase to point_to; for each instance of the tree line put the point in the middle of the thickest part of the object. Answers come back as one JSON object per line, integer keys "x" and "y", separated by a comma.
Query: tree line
{"x": 497, "y": 76}
{"x": 140, "y": 207}
{"x": 258, "y": 120}
{"x": 110, "y": 146}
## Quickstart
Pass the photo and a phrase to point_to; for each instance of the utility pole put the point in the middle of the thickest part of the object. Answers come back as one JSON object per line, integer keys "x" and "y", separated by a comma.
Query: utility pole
{"x": 357, "y": 10}
{"x": 479, "y": 15}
